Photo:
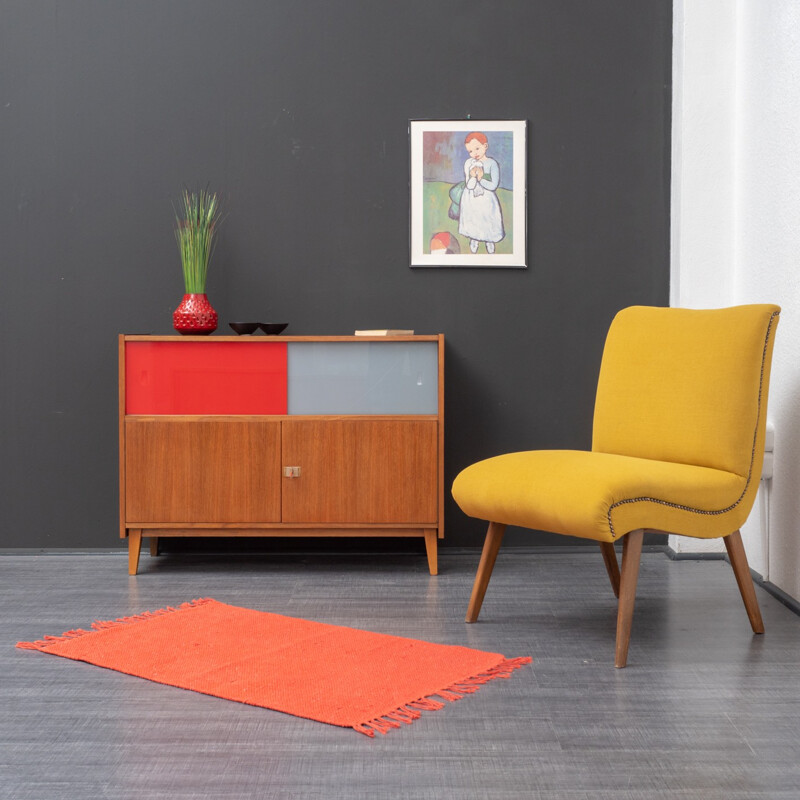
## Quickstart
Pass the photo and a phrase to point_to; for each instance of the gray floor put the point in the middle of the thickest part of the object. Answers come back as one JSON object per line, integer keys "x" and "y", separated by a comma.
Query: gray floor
{"x": 704, "y": 710}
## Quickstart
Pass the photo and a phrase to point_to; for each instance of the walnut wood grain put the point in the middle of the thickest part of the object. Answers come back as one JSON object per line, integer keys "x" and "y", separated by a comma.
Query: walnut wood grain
{"x": 491, "y": 547}
{"x": 741, "y": 569}
{"x": 612, "y": 566}
{"x": 123, "y": 531}
{"x": 441, "y": 436}
{"x": 257, "y": 339}
{"x": 134, "y": 550}
{"x": 180, "y": 470}
{"x": 631, "y": 556}
{"x": 365, "y": 471}
{"x": 330, "y": 531}
{"x": 275, "y": 528}
{"x": 431, "y": 548}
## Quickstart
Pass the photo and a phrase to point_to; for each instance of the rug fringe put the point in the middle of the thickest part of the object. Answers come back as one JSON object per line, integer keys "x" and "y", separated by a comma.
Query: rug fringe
{"x": 98, "y": 625}
{"x": 408, "y": 713}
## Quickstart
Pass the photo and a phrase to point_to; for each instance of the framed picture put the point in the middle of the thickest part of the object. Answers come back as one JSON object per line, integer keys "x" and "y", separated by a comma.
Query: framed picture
{"x": 468, "y": 193}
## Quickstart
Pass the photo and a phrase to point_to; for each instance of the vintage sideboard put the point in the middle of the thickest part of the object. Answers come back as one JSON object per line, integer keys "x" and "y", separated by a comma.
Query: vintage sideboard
{"x": 281, "y": 436}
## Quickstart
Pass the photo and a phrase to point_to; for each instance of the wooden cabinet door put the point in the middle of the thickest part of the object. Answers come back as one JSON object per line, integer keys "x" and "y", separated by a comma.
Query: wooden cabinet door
{"x": 202, "y": 470}
{"x": 361, "y": 471}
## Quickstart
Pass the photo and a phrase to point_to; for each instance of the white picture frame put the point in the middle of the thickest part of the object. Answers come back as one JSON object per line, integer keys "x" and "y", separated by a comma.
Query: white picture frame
{"x": 468, "y": 195}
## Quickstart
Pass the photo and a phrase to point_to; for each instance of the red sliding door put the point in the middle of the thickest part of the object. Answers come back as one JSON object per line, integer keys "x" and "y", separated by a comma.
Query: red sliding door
{"x": 205, "y": 378}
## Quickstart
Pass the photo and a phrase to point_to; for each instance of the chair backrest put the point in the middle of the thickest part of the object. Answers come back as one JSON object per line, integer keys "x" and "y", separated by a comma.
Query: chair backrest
{"x": 687, "y": 386}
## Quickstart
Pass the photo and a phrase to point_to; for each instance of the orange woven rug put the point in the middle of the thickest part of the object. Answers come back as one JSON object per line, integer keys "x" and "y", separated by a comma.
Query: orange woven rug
{"x": 356, "y": 679}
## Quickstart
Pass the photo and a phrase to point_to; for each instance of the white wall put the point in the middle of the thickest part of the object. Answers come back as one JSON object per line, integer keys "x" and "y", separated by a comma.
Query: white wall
{"x": 736, "y": 217}
{"x": 704, "y": 99}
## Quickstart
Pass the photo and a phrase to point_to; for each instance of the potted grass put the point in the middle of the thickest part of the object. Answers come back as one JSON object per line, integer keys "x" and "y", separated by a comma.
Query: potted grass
{"x": 196, "y": 219}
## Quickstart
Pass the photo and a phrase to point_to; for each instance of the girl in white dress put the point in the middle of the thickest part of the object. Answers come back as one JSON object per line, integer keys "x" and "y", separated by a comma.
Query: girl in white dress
{"x": 481, "y": 217}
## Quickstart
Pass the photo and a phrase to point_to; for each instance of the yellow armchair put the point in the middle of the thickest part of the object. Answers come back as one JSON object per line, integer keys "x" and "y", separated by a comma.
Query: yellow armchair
{"x": 677, "y": 447}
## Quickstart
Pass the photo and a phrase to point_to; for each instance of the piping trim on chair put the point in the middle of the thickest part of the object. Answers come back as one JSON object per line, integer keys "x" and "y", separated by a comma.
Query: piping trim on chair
{"x": 749, "y": 472}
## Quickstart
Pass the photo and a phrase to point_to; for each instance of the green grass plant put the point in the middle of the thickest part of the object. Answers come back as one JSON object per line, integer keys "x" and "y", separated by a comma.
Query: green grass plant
{"x": 197, "y": 219}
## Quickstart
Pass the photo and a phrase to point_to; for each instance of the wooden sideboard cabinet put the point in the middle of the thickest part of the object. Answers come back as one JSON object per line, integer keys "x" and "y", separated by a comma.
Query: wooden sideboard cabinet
{"x": 281, "y": 436}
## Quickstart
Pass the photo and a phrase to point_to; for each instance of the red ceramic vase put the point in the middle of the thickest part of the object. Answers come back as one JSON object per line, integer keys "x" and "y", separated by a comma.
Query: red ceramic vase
{"x": 194, "y": 316}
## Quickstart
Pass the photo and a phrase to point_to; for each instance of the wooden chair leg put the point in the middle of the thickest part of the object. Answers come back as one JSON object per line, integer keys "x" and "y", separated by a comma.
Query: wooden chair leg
{"x": 631, "y": 556}
{"x": 741, "y": 569}
{"x": 612, "y": 567}
{"x": 134, "y": 549}
{"x": 431, "y": 548}
{"x": 494, "y": 538}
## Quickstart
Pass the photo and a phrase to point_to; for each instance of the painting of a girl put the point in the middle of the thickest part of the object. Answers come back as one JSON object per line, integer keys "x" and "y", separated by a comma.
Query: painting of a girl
{"x": 480, "y": 216}
{"x": 468, "y": 190}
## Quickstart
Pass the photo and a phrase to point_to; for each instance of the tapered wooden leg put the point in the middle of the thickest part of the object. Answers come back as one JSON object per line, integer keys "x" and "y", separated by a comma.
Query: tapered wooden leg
{"x": 741, "y": 569}
{"x": 134, "y": 548}
{"x": 154, "y": 546}
{"x": 494, "y": 538}
{"x": 431, "y": 548}
{"x": 612, "y": 567}
{"x": 631, "y": 556}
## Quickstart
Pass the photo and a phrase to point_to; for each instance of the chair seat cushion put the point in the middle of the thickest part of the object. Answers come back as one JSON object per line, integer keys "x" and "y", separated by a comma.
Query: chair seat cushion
{"x": 601, "y": 496}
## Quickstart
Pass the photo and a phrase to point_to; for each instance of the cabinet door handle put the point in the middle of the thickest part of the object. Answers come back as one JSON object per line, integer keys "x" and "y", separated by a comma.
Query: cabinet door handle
{"x": 291, "y": 472}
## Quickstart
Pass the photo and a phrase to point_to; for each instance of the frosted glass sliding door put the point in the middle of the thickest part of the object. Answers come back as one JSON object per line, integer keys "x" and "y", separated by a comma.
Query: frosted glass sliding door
{"x": 363, "y": 378}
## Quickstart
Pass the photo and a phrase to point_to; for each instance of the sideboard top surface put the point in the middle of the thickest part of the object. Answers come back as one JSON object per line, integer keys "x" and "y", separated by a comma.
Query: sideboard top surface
{"x": 258, "y": 339}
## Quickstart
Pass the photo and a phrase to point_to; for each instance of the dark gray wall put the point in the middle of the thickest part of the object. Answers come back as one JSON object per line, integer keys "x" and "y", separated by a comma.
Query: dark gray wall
{"x": 297, "y": 111}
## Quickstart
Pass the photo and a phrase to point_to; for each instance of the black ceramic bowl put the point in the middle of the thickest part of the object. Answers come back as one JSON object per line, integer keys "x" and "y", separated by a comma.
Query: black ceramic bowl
{"x": 273, "y": 328}
{"x": 244, "y": 327}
